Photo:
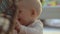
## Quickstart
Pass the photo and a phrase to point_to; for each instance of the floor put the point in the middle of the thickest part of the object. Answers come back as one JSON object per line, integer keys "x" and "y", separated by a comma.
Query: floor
{"x": 48, "y": 30}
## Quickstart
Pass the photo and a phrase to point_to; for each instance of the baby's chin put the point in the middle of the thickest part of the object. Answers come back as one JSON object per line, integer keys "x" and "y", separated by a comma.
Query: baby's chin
{"x": 23, "y": 22}
{"x": 4, "y": 24}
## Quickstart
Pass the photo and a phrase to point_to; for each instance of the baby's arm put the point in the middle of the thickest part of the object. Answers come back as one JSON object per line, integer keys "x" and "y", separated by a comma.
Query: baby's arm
{"x": 36, "y": 29}
{"x": 28, "y": 30}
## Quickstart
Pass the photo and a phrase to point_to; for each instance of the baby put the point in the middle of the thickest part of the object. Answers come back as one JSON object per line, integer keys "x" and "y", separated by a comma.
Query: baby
{"x": 27, "y": 19}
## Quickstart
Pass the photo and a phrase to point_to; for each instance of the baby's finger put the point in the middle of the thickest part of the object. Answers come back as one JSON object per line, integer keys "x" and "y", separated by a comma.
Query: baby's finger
{"x": 17, "y": 27}
{"x": 18, "y": 23}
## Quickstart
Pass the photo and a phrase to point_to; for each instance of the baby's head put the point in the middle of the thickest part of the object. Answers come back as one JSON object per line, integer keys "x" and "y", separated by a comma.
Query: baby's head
{"x": 29, "y": 10}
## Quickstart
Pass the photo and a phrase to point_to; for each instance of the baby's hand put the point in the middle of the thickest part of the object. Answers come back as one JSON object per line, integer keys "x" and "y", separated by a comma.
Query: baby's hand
{"x": 17, "y": 28}
{"x": 14, "y": 32}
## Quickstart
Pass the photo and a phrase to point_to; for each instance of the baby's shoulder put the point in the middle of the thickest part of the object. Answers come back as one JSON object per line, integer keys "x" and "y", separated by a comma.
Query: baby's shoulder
{"x": 37, "y": 24}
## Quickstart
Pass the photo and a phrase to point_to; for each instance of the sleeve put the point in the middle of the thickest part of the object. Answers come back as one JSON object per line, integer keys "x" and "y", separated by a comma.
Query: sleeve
{"x": 31, "y": 30}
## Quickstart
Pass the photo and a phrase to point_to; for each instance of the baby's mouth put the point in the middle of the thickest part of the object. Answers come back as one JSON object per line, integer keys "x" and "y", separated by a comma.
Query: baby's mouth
{"x": 19, "y": 19}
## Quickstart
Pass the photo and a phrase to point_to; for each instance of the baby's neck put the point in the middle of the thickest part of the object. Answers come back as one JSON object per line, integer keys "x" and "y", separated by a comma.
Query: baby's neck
{"x": 29, "y": 23}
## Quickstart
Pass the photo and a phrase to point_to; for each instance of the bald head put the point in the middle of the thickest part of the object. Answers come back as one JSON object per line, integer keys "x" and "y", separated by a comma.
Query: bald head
{"x": 31, "y": 4}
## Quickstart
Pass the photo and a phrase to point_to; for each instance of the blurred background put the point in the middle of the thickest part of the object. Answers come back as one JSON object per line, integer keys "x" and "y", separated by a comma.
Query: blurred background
{"x": 51, "y": 16}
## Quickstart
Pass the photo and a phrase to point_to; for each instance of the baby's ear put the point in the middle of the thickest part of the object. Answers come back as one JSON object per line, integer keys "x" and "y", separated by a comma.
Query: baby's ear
{"x": 33, "y": 12}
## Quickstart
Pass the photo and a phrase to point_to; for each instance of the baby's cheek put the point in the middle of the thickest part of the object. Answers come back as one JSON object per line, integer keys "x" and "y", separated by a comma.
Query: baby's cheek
{"x": 22, "y": 16}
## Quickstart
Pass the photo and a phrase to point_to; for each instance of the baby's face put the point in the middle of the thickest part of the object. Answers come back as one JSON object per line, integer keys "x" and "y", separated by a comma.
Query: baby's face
{"x": 24, "y": 15}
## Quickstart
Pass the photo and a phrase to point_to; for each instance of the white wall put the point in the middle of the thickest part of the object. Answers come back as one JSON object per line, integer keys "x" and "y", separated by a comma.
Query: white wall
{"x": 50, "y": 12}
